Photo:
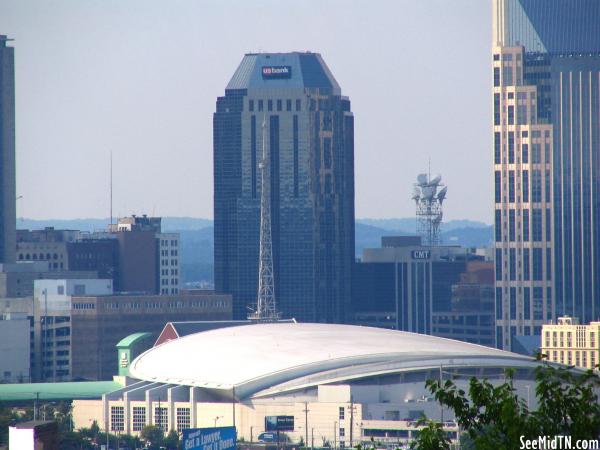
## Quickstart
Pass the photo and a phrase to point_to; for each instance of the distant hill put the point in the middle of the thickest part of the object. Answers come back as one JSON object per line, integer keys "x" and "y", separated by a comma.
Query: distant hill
{"x": 197, "y": 236}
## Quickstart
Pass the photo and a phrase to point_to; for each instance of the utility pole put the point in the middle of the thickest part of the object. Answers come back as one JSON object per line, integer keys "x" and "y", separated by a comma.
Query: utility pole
{"x": 306, "y": 424}
{"x": 351, "y": 419}
{"x": 441, "y": 406}
{"x": 334, "y": 435}
{"x": 233, "y": 404}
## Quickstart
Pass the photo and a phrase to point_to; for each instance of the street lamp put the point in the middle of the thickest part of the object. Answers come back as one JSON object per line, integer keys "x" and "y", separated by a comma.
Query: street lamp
{"x": 217, "y": 418}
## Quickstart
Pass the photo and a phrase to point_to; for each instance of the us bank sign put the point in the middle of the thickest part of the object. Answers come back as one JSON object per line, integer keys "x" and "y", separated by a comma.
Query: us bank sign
{"x": 277, "y": 71}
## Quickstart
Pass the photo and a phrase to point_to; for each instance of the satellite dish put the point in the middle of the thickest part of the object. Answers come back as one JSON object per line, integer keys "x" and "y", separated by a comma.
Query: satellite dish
{"x": 428, "y": 192}
{"x": 416, "y": 193}
{"x": 442, "y": 194}
{"x": 422, "y": 179}
{"x": 435, "y": 181}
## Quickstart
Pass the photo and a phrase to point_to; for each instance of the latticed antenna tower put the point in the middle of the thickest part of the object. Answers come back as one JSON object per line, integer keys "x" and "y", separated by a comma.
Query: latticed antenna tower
{"x": 429, "y": 194}
{"x": 266, "y": 310}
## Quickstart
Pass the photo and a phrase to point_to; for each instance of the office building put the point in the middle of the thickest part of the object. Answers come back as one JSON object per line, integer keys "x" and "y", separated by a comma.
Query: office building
{"x": 471, "y": 315}
{"x": 78, "y": 323}
{"x": 14, "y": 348}
{"x": 341, "y": 384}
{"x": 566, "y": 341}
{"x": 16, "y": 280}
{"x": 402, "y": 283}
{"x": 8, "y": 215}
{"x": 309, "y": 139}
{"x": 546, "y": 139}
{"x": 48, "y": 245}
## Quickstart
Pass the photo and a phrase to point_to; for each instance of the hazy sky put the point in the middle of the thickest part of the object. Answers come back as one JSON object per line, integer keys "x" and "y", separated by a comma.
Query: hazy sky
{"x": 141, "y": 78}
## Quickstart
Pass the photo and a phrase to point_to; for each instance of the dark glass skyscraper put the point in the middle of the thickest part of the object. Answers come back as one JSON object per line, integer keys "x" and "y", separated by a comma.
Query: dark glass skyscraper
{"x": 310, "y": 138}
{"x": 546, "y": 100}
{"x": 7, "y": 153}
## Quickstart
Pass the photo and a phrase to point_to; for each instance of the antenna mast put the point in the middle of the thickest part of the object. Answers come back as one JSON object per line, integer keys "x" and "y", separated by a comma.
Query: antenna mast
{"x": 266, "y": 310}
{"x": 429, "y": 195}
{"x": 111, "y": 189}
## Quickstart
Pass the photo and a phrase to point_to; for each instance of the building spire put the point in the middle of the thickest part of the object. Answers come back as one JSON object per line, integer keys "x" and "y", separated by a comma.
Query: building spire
{"x": 266, "y": 310}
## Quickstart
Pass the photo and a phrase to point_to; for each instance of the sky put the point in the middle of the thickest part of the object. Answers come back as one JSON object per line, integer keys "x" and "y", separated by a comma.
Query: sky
{"x": 140, "y": 79}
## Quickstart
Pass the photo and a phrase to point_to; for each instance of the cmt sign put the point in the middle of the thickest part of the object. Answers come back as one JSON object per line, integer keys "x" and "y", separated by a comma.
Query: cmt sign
{"x": 420, "y": 254}
{"x": 270, "y": 72}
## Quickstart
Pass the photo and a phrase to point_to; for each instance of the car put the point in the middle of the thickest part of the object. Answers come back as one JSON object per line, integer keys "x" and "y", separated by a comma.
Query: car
{"x": 267, "y": 436}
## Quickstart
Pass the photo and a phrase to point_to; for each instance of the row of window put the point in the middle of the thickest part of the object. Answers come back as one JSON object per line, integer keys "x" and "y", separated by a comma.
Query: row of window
{"x": 166, "y": 304}
{"x": 581, "y": 358}
{"x": 278, "y": 105}
{"x": 166, "y": 242}
{"x": 580, "y": 341}
{"x": 531, "y": 230}
{"x": 161, "y": 418}
{"x": 40, "y": 256}
{"x": 165, "y": 262}
{"x": 166, "y": 253}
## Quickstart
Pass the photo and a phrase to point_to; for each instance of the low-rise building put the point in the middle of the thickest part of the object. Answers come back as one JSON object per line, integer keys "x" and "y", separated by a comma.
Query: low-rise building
{"x": 78, "y": 324}
{"x": 15, "y": 348}
{"x": 568, "y": 342}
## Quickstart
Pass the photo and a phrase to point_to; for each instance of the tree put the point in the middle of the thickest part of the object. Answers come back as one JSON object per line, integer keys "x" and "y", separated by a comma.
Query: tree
{"x": 495, "y": 417}
{"x": 152, "y": 435}
{"x": 172, "y": 440}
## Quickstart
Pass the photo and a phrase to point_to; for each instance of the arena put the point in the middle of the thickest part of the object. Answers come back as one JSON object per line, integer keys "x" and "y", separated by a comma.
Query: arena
{"x": 332, "y": 385}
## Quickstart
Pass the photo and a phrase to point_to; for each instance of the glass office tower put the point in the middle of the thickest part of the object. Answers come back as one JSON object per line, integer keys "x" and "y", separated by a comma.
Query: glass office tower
{"x": 546, "y": 138}
{"x": 310, "y": 138}
{"x": 8, "y": 216}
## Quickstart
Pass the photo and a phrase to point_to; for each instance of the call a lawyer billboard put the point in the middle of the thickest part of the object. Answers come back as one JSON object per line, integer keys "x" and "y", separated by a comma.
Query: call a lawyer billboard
{"x": 220, "y": 438}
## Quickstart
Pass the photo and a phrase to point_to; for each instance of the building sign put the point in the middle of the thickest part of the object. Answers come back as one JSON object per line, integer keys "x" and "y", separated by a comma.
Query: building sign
{"x": 279, "y": 423}
{"x": 420, "y": 254}
{"x": 220, "y": 438}
{"x": 277, "y": 72}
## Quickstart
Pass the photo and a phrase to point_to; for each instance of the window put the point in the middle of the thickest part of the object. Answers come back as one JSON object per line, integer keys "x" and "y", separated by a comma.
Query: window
{"x": 537, "y": 264}
{"x": 341, "y": 413}
{"x": 342, "y": 432}
{"x": 525, "y": 189}
{"x": 183, "y": 418}
{"x": 496, "y": 76}
{"x": 498, "y": 225}
{"x": 60, "y": 290}
{"x": 511, "y": 115}
{"x": 498, "y": 264}
{"x": 117, "y": 418}
{"x": 525, "y": 153}
{"x": 139, "y": 418}
{"x": 498, "y": 186}
{"x": 298, "y": 105}
{"x": 161, "y": 418}
{"x": 260, "y": 105}
{"x": 251, "y": 105}
{"x": 497, "y": 148}
{"x": 496, "y": 109}
{"x": 511, "y": 147}
{"x": 288, "y": 105}
{"x": 279, "y": 105}
{"x": 526, "y": 267}
{"x": 511, "y": 186}
{"x": 270, "y": 105}
{"x": 511, "y": 226}
{"x": 536, "y": 224}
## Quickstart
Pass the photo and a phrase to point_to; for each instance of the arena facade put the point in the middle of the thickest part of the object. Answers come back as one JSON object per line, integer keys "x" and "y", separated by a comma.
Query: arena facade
{"x": 341, "y": 384}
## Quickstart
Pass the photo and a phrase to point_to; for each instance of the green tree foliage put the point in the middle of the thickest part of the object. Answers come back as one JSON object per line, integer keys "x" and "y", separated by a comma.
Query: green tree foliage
{"x": 172, "y": 440}
{"x": 153, "y": 436}
{"x": 494, "y": 417}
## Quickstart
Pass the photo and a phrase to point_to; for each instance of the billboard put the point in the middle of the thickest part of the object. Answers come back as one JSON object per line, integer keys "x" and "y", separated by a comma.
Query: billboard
{"x": 279, "y": 423}
{"x": 220, "y": 438}
{"x": 277, "y": 72}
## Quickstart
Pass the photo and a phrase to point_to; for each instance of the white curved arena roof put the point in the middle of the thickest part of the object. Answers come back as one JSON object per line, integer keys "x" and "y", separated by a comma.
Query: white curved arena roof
{"x": 280, "y": 357}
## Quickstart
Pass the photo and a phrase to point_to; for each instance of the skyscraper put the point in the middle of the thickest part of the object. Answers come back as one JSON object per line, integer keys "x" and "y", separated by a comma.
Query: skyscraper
{"x": 546, "y": 121}
{"x": 310, "y": 140}
{"x": 8, "y": 216}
